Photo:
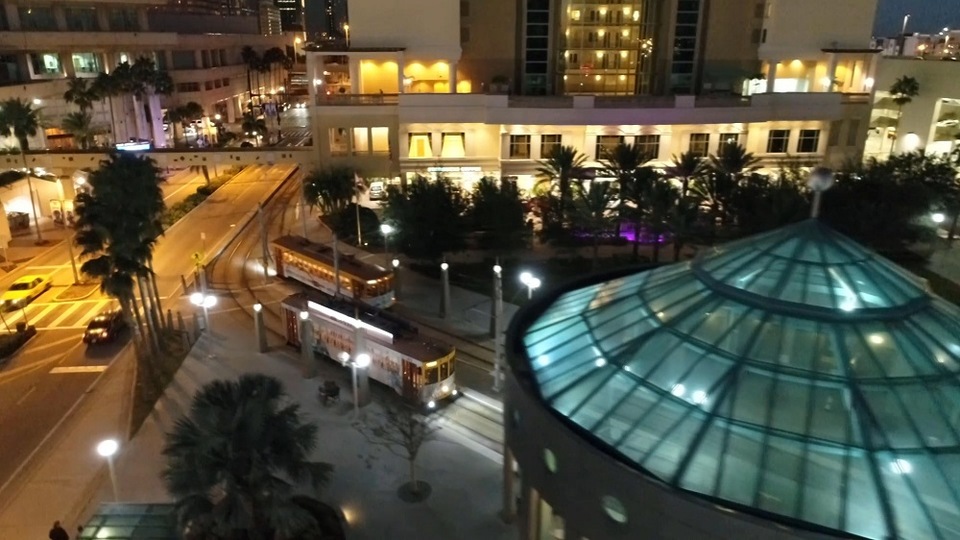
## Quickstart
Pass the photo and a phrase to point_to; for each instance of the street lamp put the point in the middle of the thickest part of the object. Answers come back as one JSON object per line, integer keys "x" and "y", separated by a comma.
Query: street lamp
{"x": 531, "y": 282}
{"x": 498, "y": 341}
{"x": 445, "y": 290}
{"x": 259, "y": 330}
{"x": 362, "y": 361}
{"x": 386, "y": 230}
{"x": 396, "y": 278}
{"x": 205, "y": 301}
{"x": 938, "y": 218}
{"x": 108, "y": 448}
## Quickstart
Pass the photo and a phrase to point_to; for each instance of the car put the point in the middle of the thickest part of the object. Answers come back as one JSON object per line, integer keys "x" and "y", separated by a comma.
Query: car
{"x": 377, "y": 191}
{"x": 23, "y": 291}
{"x": 105, "y": 327}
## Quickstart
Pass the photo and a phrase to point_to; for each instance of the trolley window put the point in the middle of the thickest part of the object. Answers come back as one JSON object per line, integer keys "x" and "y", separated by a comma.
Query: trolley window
{"x": 430, "y": 374}
{"x": 444, "y": 370}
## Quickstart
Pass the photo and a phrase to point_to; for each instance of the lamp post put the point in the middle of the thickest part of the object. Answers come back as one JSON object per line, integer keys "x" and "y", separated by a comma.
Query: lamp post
{"x": 531, "y": 282}
{"x": 306, "y": 345}
{"x": 361, "y": 362}
{"x": 260, "y": 331}
{"x": 445, "y": 290}
{"x": 386, "y": 230}
{"x": 396, "y": 278}
{"x": 497, "y": 326}
{"x": 206, "y": 301}
{"x": 107, "y": 448}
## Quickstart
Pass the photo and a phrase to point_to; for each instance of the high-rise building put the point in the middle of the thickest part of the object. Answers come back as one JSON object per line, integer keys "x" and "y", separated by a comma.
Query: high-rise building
{"x": 291, "y": 14}
{"x": 325, "y": 19}
{"x": 269, "y": 18}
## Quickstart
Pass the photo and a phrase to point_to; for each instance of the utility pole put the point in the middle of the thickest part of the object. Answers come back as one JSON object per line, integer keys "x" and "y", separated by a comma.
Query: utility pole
{"x": 498, "y": 340}
{"x": 263, "y": 242}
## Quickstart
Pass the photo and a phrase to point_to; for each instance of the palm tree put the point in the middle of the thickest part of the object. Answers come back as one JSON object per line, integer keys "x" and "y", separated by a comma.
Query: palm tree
{"x": 78, "y": 125}
{"x": 105, "y": 87}
{"x": 273, "y": 58}
{"x": 685, "y": 168}
{"x": 734, "y": 160}
{"x": 118, "y": 224}
{"x": 634, "y": 193}
{"x": 249, "y": 57}
{"x": 252, "y": 124}
{"x": 20, "y": 118}
{"x": 331, "y": 189}
{"x": 721, "y": 177}
{"x": 234, "y": 462}
{"x": 81, "y": 93}
{"x": 662, "y": 199}
{"x": 903, "y": 90}
{"x": 593, "y": 205}
{"x": 621, "y": 163}
{"x": 562, "y": 165}
{"x": 146, "y": 81}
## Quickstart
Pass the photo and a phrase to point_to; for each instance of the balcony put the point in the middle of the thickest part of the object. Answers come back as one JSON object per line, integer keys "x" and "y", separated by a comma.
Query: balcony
{"x": 357, "y": 99}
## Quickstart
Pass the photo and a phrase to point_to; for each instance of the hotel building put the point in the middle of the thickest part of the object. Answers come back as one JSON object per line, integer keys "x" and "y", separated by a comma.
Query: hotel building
{"x": 424, "y": 87}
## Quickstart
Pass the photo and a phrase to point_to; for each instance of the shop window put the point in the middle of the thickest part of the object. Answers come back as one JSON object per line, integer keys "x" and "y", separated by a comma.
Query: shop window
{"x": 778, "y": 141}
{"x": 727, "y": 140}
{"x": 614, "y": 508}
{"x": 548, "y": 143}
{"x": 699, "y": 144}
{"x": 452, "y": 146}
{"x": 420, "y": 146}
{"x": 86, "y": 63}
{"x": 809, "y": 141}
{"x": 519, "y": 146}
{"x": 649, "y": 146}
{"x": 606, "y": 144}
{"x": 361, "y": 140}
{"x": 45, "y": 64}
{"x": 550, "y": 460}
{"x": 431, "y": 372}
{"x": 380, "y": 140}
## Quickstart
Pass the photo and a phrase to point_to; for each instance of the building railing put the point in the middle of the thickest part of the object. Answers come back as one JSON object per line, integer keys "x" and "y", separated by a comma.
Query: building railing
{"x": 357, "y": 99}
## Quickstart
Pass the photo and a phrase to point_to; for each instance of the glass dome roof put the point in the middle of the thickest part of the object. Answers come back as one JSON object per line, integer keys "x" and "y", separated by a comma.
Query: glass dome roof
{"x": 795, "y": 373}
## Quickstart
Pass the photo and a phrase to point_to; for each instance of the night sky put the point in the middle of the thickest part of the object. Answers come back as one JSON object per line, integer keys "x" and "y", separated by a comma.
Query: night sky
{"x": 926, "y": 16}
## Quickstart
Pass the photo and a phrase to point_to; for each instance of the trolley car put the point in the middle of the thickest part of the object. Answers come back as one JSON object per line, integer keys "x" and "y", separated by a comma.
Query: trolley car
{"x": 313, "y": 264}
{"x": 419, "y": 369}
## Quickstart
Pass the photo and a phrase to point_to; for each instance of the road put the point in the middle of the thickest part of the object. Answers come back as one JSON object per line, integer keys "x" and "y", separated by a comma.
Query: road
{"x": 43, "y": 381}
{"x": 295, "y": 126}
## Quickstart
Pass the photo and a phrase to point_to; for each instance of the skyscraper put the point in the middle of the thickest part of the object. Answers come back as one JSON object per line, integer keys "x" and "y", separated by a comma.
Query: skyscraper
{"x": 291, "y": 14}
{"x": 325, "y": 18}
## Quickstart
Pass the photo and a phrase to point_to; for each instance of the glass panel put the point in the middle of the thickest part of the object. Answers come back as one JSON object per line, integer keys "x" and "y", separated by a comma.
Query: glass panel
{"x": 824, "y": 473}
{"x": 738, "y": 473}
{"x": 780, "y": 485}
{"x": 901, "y": 475}
{"x": 864, "y": 514}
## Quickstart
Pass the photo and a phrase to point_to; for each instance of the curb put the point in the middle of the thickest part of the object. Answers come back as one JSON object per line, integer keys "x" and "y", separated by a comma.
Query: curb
{"x": 82, "y": 297}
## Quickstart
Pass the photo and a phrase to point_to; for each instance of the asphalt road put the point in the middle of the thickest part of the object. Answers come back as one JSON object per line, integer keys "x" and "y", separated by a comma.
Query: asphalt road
{"x": 40, "y": 384}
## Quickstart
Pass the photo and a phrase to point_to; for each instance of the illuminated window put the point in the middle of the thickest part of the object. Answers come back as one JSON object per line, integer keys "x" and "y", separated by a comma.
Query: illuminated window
{"x": 606, "y": 144}
{"x": 420, "y": 146}
{"x": 380, "y": 140}
{"x": 520, "y": 147}
{"x": 452, "y": 146}
{"x": 699, "y": 144}
{"x": 649, "y": 145}
{"x": 338, "y": 141}
{"x": 728, "y": 140}
{"x": 361, "y": 140}
{"x": 548, "y": 143}
{"x": 809, "y": 141}
{"x": 778, "y": 141}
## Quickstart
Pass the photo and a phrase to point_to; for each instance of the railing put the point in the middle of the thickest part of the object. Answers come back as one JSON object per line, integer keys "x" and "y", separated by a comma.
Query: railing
{"x": 540, "y": 102}
{"x": 357, "y": 99}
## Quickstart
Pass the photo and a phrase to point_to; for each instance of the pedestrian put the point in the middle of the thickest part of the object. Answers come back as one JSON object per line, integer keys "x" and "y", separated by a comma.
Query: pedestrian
{"x": 58, "y": 532}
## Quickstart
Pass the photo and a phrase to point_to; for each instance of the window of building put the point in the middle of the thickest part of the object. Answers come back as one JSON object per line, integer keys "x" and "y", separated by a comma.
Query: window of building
{"x": 727, "y": 140}
{"x": 833, "y": 138}
{"x": 649, "y": 146}
{"x": 81, "y": 19}
{"x": 208, "y": 85}
{"x": 46, "y": 64}
{"x": 464, "y": 8}
{"x": 606, "y": 144}
{"x": 380, "y": 140}
{"x": 184, "y": 60}
{"x": 520, "y": 147}
{"x": 763, "y": 36}
{"x": 853, "y": 132}
{"x": 548, "y": 143}
{"x": 86, "y": 63}
{"x": 464, "y": 34}
{"x": 550, "y": 460}
{"x": 614, "y": 508}
{"x": 205, "y": 58}
{"x": 223, "y": 57}
{"x": 361, "y": 140}
{"x": 452, "y": 146}
{"x": 699, "y": 144}
{"x": 226, "y": 81}
{"x": 420, "y": 146}
{"x": 217, "y": 83}
{"x": 4, "y": 23}
{"x": 778, "y": 141}
{"x": 338, "y": 142}
{"x": 124, "y": 20}
{"x": 37, "y": 18}
{"x": 809, "y": 141}
{"x": 188, "y": 87}
{"x": 160, "y": 57}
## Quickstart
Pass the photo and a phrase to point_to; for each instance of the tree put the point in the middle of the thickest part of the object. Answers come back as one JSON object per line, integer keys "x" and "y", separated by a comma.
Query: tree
{"x": 182, "y": 115}
{"x": 106, "y": 87}
{"x": 634, "y": 193}
{"x": 251, "y": 59}
{"x": 274, "y": 58}
{"x": 81, "y": 93}
{"x": 235, "y": 460}
{"x": 593, "y": 205}
{"x": 562, "y": 165}
{"x": 402, "y": 430}
{"x": 622, "y": 163}
{"x": 760, "y": 203}
{"x": 429, "y": 217}
{"x": 497, "y": 211}
{"x": 118, "y": 224}
{"x": 903, "y": 90}
{"x": 332, "y": 189}
{"x": 686, "y": 168}
{"x": 20, "y": 118}
{"x": 662, "y": 199}
{"x": 78, "y": 125}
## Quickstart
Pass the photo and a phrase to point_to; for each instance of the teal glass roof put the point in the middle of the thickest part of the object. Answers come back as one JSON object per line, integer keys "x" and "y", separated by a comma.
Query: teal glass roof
{"x": 795, "y": 373}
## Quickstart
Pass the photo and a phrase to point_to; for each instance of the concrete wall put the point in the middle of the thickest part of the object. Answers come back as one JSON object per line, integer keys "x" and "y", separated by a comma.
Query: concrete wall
{"x": 729, "y": 50}
{"x": 800, "y": 29}
{"x": 490, "y": 51}
{"x": 429, "y": 28}
{"x": 305, "y": 157}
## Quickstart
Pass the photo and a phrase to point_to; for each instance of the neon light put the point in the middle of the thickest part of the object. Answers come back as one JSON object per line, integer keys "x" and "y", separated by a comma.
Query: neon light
{"x": 356, "y": 323}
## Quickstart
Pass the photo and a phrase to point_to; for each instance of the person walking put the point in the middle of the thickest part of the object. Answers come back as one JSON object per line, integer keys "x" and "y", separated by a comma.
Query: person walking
{"x": 58, "y": 532}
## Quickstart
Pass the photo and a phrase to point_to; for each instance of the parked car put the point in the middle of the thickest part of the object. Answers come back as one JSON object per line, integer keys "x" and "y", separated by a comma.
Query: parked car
{"x": 377, "y": 191}
{"x": 23, "y": 291}
{"x": 105, "y": 327}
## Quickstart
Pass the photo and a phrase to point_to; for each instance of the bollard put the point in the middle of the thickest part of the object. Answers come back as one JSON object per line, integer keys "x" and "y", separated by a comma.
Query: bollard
{"x": 196, "y": 327}
{"x": 169, "y": 318}
{"x": 183, "y": 282}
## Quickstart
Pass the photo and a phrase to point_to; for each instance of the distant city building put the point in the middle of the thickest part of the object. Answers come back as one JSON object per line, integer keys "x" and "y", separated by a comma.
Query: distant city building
{"x": 325, "y": 19}
{"x": 269, "y": 16}
{"x": 291, "y": 14}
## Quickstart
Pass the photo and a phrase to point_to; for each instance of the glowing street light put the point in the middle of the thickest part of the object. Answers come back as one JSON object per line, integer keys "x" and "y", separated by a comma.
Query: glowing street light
{"x": 386, "y": 230}
{"x": 531, "y": 282}
{"x": 205, "y": 301}
{"x": 938, "y": 218}
{"x": 107, "y": 448}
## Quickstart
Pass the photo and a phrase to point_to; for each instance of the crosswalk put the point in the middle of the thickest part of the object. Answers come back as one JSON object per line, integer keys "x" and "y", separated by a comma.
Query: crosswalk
{"x": 56, "y": 315}
{"x": 295, "y": 136}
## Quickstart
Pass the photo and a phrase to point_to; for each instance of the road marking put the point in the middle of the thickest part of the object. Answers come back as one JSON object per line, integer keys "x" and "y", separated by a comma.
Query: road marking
{"x": 65, "y": 314}
{"x": 24, "y": 396}
{"x": 35, "y": 319}
{"x": 92, "y": 313}
{"x": 78, "y": 369}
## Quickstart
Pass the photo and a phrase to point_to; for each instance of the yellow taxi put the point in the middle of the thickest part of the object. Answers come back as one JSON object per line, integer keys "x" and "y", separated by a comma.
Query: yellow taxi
{"x": 23, "y": 291}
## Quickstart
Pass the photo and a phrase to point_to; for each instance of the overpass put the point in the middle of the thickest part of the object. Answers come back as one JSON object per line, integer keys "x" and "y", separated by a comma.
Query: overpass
{"x": 306, "y": 157}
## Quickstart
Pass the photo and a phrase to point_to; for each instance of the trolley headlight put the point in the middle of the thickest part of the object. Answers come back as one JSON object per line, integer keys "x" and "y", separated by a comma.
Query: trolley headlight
{"x": 431, "y": 404}
{"x": 455, "y": 392}
{"x": 444, "y": 389}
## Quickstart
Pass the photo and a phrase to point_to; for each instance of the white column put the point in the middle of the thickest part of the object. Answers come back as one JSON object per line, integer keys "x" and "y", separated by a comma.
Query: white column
{"x": 312, "y": 60}
{"x": 771, "y": 75}
{"x": 400, "y": 76}
{"x": 452, "y": 77}
{"x": 871, "y": 73}
{"x": 831, "y": 72}
{"x": 354, "y": 75}
{"x": 231, "y": 109}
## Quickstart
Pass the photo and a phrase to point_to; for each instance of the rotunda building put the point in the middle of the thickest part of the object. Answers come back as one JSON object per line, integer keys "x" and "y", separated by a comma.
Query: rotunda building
{"x": 790, "y": 385}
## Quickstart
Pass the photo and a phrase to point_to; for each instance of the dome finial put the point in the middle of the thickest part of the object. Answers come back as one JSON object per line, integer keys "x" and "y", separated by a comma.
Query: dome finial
{"x": 821, "y": 178}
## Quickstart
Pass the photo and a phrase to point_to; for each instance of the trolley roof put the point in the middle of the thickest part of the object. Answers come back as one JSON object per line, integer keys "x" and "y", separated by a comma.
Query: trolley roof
{"x": 406, "y": 337}
{"x": 322, "y": 253}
